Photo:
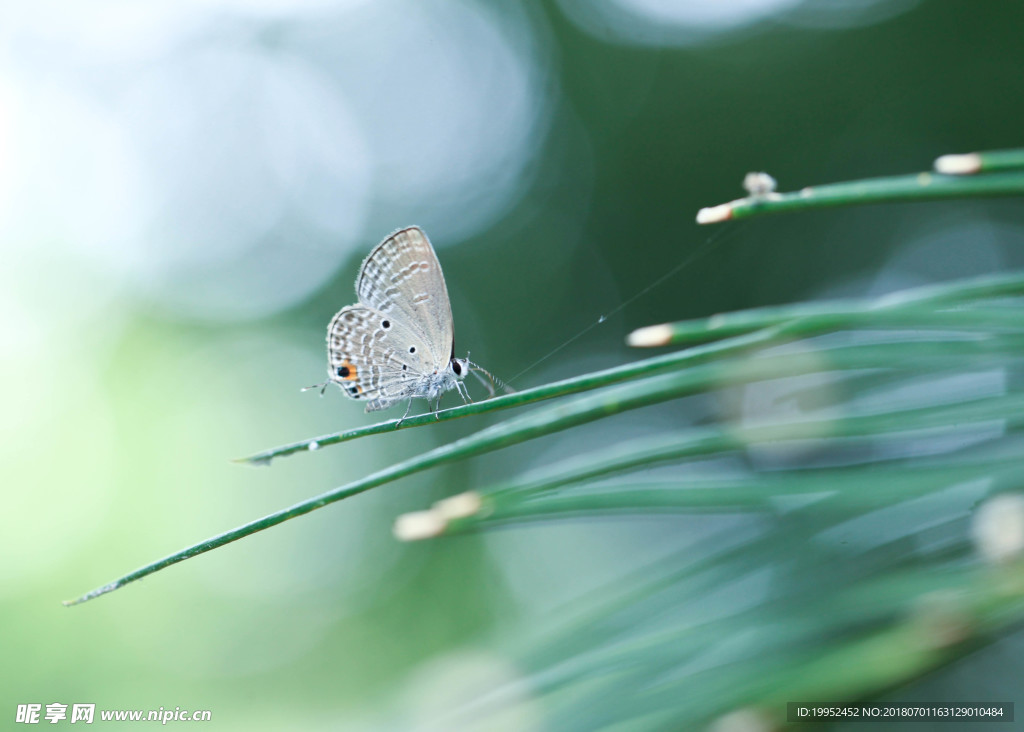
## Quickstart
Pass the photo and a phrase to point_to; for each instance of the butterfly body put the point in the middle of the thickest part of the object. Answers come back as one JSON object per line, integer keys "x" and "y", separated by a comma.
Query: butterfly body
{"x": 398, "y": 341}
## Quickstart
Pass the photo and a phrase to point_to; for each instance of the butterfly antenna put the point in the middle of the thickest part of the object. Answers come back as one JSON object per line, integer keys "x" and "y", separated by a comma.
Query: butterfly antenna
{"x": 322, "y": 387}
{"x": 495, "y": 381}
{"x": 489, "y": 385}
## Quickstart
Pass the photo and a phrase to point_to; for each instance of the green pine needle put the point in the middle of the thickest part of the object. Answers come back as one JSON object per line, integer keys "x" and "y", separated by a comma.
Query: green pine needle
{"x": 873, "y": 538}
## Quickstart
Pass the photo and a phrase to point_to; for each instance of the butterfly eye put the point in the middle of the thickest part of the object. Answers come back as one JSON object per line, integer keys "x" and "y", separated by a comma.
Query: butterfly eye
{"x": 385, "y": 324}
{"x": 457, "y": 368}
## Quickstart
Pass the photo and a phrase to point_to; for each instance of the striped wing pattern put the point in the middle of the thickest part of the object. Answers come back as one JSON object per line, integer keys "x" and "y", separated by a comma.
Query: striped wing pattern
{"x": 375, "y": 357}
{"x": 402, "y": 278}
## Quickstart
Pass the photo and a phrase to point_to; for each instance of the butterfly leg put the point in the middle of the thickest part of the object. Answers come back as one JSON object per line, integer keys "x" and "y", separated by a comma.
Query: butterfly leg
{"x": 437, "y": 406}
{"x": 463, "y": 392}
{"x": 408, "y": 407}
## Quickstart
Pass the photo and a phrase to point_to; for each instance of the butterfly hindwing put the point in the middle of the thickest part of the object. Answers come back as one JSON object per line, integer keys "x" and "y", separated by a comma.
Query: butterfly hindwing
{"x": 402, "y": 278}
{"x": 375, "y": 357}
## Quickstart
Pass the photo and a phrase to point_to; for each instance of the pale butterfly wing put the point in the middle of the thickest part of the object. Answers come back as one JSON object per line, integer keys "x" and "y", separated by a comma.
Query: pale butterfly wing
{"x": 402, "y": 278}
{"x": 375, "y": 357}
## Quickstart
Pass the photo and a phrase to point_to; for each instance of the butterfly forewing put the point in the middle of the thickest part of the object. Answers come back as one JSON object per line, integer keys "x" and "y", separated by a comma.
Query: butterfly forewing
{"x": 402, "y": 278}
{"x": 375, "y": 357}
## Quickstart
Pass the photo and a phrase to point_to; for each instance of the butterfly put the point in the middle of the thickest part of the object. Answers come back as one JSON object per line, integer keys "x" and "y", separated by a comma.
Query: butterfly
{"x": 398, "y": 341}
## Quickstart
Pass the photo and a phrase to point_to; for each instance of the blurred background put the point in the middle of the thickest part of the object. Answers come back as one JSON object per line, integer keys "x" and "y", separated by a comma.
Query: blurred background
{"x": 186, "y": 192}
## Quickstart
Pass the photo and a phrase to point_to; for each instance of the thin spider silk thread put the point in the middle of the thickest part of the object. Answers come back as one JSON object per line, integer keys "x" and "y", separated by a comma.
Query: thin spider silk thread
{"x": 706, "y": 246}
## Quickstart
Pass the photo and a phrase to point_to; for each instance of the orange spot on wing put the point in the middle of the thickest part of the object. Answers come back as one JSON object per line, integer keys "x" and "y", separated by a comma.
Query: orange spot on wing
{"x": 348, "y": 372}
